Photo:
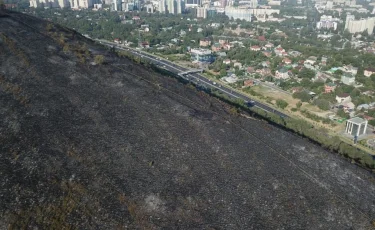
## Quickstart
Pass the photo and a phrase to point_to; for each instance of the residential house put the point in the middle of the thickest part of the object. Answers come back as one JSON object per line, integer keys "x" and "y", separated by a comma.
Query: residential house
{"x": 294, "y": 53}
{"x": 226, "y": 61}
{"x": 255, "y": 48}
{"x": 344, "y": 97}
{"x": 323, "y": 61}
{"x": 296, "y": 89}
{"x": 329, "y": 87}
{"x": 267, "y": 53}
{"x": 216, "y": 47}
{"x": 250, "y": 69}
{"x": 117, "y": 40}
{"x": 349, "y": 69}
{"x": 287, "y": 61}
{"x": 205, "y": 42}
{"x": 311, "y": 60}
{"x": 265, "y": 64}
{"x": 248, "y": 83}
{"x": 268, "y": 46}
{"x": 221, "y": 54}
{"x": 321, "y": 77}
{"x": 145, "y": 44}
{"x": 230, "y": 79}
{"x": 347, "y": 79}
{"x": 279, "y": 51}
{"x": 282, "y": 73}
{"x": 264, "y": 72}
{"x": 136, "y": 18}
{"x": 262, "y": 38}
{"x": 369, "y": 71}
{"x": 222, "y": 41}
{"x": 237, "y": 64}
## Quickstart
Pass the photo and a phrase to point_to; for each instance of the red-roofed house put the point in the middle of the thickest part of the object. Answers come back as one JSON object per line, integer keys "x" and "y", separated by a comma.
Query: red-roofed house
{"x": 287, "y": 61}
{"x": 329, "y": 87}
{"x": 262, "y": 38}
{"x": 248, "y": 83}
{"x": 279, "y": 51}
{"x": 255, "y": 48}
{"x": 369, "y": 71}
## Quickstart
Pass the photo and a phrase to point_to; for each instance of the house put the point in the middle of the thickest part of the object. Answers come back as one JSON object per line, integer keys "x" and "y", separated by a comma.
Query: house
{"x": 267, "y": 53}
{"x": 265, "y": 64}
{"x": 294, "y": 53}
{"x": 347, "y": 79}
{"x": 369, "y": 71}
{"x": 226, "y": 61}
{"x": 282, "y": 73}
{"x": 222, "y": 41}
{"x": 262, "y": 38}
{"x": 145, "y": 44}
{"x": 344, "y": 97}
{"x": 323, "y": 61}
{"x": 255, "y": 48}
{"x": 296, "y": 89}
{"x": 329, "y": 87}
{"x": 117, "y": 40}
{"x": 248, "y": 83}
{"x": 237, "y": 64}
{"x": 205, "y": 42}
{"x": 279, "y": 51}
{"x": 231, "y": 79}
{"x": 250, "y": 69}
{"x": 136, "y": 18}
{"x": 349, "y": 69}
{"x": 264, "y": 72}
{"x": 268, "y": 46}
{"x": 311, "y": 60}
{"x": 216, "y": 47}
{"x": 287, "y": 61}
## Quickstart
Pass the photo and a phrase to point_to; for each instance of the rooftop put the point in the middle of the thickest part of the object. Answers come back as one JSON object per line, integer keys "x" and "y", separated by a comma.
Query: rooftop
{"x": 357, "y": 120}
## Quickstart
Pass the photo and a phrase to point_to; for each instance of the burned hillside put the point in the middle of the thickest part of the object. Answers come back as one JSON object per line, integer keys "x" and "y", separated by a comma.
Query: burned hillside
{"x": 90, "y": 140}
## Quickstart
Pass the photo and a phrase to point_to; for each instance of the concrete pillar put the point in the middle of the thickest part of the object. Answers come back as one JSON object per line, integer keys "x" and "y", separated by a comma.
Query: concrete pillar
{"x": 359, "y": 129}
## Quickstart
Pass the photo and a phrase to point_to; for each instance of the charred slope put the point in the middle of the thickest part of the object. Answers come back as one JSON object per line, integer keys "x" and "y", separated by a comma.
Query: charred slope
{"x": 118, "y": 146}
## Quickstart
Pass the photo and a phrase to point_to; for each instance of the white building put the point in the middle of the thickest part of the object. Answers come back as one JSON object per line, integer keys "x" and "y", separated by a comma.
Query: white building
{"x": 236, "y": 13}
{"x": 356, "y": 126}
{"x": 201, "y": 12}
{"x": 327, "y": 22}
{"x": 347, "y": 79}
{"x": 358, "y": 26}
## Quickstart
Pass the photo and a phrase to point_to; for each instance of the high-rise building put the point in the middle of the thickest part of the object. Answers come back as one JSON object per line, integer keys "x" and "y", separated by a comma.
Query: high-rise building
{"x": 162, "y": 8}
{"x": 236, "y": 13}
{"x": 115, "y": 5}
{"x": 171, "y": 7}
{"x": 193, "y": 3}
{"x": 179, "y": 6}
{"x": 358, "y": 26}
{"x": 201, "y": 12}
{"x": 253, "y": 4}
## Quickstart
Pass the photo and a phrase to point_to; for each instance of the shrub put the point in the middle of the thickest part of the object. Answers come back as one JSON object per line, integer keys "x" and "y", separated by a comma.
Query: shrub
{"x": 99, "y": 59}
{"x": 281, "y": 103}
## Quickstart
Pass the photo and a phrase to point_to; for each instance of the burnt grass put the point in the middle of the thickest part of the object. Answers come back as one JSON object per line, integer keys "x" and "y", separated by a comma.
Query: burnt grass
{"x": 118, "y": 146}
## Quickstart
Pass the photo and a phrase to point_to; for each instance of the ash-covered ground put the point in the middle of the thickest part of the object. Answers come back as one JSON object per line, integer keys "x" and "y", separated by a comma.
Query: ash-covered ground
{"x": 117, "y": 146}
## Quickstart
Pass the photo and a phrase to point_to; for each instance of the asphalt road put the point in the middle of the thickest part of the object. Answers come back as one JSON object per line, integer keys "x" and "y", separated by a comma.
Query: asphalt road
{"x": 197, "y": 78}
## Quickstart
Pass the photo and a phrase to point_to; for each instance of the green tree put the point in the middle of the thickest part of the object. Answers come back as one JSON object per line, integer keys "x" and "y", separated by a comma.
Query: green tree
{"x": 281, "y": 103}
{"x": 99, "y": 59}
{"x": 341, "y": 113}
{"x": 303, "y": 96}
{"x": 322, "y": 104}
